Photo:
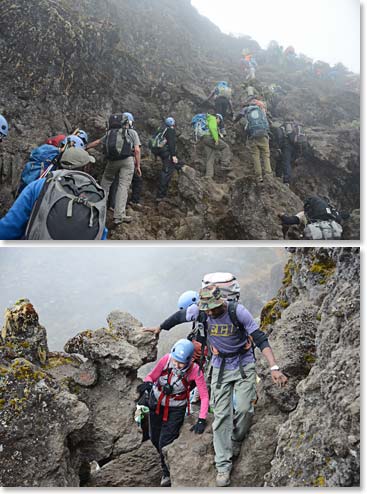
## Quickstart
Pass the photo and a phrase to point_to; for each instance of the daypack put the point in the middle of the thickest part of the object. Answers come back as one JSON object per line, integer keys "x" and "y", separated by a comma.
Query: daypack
{"x": 226, "y": 282}
{"x": 118, "y": 144}
{"x": 158, "y": 141}
{"x": 295, "y": 133}
{"x": 257, "y": 123}
{"x": 115, "y": 121}
{"x": 71, "y": 206}
{"x": 323, "y": 230}
{"x": 223, "y": 89}
{"x": 40, "y": 159}
{"x": 200, "y": 125}
{"x": 319, "y": 209}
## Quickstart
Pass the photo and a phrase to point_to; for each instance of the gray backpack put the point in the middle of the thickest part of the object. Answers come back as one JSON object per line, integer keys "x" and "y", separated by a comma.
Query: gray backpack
{"x": 323, "y": 230}
{"x": 71, "y": 206}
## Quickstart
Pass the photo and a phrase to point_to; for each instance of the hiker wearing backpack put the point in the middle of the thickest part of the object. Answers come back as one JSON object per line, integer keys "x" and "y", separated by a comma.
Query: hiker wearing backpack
{"x": 163, "y": 145}
{"x": 250, "y": 68}
{"x": 121, "y": 146}
{"x": 320, "y": 220}
{"x": 4, "y": 127}
{"x": 257, "y": 135}
{"x": 67, "y": 205}
{"x": 169, "y": 385}
{"x": 231, "y": 333}
{"x": 291, "y": 139}
{"x": 209, "y": 130}
{"x": 222, "y": 94}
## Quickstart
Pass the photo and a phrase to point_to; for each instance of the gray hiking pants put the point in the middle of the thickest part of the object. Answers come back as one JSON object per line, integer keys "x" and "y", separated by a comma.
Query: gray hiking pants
{"x": 211, "y": 151}
{"x": 228, "y": 425}
{"x": 124, "y": 169}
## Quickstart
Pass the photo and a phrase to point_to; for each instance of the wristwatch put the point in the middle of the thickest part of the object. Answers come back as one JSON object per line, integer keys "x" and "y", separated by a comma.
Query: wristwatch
{"x": 275, "y": 367}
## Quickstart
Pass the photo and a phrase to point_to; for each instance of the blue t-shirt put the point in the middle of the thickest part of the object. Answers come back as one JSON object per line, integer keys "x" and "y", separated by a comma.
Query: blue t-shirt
{"x": 225, "y": 337}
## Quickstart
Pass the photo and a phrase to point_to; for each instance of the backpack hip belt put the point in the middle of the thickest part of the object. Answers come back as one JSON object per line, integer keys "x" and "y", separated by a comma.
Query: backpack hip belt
{"x": 224, "y": 356}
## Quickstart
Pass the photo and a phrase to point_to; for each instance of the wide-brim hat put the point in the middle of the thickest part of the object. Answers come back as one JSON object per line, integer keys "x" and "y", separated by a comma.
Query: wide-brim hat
{"x": 210, "y": 298}
{"x": 74, "y": 158}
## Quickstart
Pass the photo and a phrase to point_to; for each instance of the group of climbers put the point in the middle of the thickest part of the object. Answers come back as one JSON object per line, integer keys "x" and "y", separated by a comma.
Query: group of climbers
{"x": 230, "y": 334}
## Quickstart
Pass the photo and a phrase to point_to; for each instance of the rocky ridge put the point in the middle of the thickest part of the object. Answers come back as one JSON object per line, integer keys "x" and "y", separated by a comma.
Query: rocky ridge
{"x": 62, "y": 414}
{"x": 74, "y": 65}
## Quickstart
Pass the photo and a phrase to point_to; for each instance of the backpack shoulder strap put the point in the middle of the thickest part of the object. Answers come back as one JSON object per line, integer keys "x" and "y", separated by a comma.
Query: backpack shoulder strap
{"x": 37, "y": 205}
{"x": 232, "y": 311}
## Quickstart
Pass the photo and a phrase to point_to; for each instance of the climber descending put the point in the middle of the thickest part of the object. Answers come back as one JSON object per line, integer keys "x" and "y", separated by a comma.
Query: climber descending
{"x": 169, "y": 385}
{"x": 231, "y": 333}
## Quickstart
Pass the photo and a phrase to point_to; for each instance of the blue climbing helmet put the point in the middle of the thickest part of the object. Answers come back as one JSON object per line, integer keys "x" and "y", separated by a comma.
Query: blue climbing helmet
{"x": 187, "y": 298}
{"x": 83, "y": 136}
{"x": 170, "y": 122}
{"x": 4, "y": 127}
{"x": 74, "y": 141}
{"x": 127, "y": 117}
{"x": 182, "y": 351}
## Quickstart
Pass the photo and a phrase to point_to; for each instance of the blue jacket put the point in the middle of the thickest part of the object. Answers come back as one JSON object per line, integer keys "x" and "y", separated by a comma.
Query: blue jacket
{"x": 14, "y": 223}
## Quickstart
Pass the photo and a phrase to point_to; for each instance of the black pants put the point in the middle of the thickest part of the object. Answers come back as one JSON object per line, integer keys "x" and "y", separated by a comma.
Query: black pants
{"x": 136, "y": 187}
{"x": 166, "y": 174}
{"x": 163, "y": 433}
{"x": 284, "y": 163}
{"x": 221, "y": 105}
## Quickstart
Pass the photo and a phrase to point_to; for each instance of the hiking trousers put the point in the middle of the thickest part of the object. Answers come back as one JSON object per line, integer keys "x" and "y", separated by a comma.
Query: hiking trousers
{"x": 136, "y": 188}
{"x": 259, "y": 150}
{"x": 164, "y": 433}
{"x": 221, "y": 105}
{"x": 288, "y": 154}
{"x": 211, "y": 152}
{"x": 231, "y": 426}
{"x": 124, "y": 169}
{"x": 168, "y": 167}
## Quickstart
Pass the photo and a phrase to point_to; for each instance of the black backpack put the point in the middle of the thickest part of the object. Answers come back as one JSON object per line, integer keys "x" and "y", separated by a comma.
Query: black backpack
{"x": 118, "y": 144}
{"x": 115, "y": 121}
{"x": 319, "y": 209}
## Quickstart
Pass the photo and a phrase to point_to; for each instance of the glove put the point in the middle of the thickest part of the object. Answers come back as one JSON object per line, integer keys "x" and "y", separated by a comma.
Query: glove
{"x": 199, "y": 427}
{"x": 147, "y": 386}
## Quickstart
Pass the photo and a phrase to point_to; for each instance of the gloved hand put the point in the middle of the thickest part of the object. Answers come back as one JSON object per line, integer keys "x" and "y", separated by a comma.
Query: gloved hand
{"x": 147, "y": 386}
{"x": 199, "y": 427}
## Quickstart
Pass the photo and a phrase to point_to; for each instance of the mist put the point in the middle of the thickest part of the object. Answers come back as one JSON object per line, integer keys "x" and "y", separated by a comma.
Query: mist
{"x": 320, "y": 29}
{"x": 75, "y": 288}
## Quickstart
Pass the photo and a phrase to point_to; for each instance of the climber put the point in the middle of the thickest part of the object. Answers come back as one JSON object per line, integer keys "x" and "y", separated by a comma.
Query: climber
{"x": 291, "y": 141}
{"x": 290, "y": 56}
{"x": 167, "y": 151}
{"x": 222, "y": 94}
{"x": 45, "y": 212}
{"x": 256, "y": 135}
{"x": 320, "y": 220}
{"x": 250, "y": 67}
{"x": 4, "y": 127}
{"x": 231, "y": 333}
{"x": 169, "y": 385}
{"x": 121, "y": 146}
{"x": 82, "y": 135}
{"x": 209, "y": 129}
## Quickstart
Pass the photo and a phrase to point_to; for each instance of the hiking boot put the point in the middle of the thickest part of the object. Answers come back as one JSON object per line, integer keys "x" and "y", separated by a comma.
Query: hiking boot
{"x": 136, "y": 206}
{"x": 236, "y": 449}
{"x": 223, "y": 479}
{"x": 165, "y": 481}
{"x": 127, "y": 219}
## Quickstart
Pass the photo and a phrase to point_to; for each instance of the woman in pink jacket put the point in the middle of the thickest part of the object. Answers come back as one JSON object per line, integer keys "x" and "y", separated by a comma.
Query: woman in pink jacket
{"x": 169, "y": 385}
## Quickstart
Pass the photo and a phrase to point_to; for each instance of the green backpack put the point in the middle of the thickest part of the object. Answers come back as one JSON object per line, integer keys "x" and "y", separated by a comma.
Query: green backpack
{"x": 158, "y": 141}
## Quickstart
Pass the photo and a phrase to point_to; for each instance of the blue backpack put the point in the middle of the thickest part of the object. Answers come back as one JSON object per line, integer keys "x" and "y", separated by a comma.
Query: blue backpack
{"x": 200, "y": 125}
{"x": 40, "y": 159}
{"x": 257, "y": 123}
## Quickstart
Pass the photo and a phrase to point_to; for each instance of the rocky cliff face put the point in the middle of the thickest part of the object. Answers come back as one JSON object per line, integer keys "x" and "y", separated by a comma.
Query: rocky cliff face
{"x": 66, "y": 66}
{"x": 63, "y": 412}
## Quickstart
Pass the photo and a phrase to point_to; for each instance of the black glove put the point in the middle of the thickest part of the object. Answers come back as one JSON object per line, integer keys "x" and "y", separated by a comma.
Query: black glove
{"x": 147, "y": 386}
{"x": 199, "y": 427}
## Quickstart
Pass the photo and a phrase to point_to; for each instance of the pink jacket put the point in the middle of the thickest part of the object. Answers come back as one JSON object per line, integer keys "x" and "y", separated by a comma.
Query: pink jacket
{"x": 193, "y": 375}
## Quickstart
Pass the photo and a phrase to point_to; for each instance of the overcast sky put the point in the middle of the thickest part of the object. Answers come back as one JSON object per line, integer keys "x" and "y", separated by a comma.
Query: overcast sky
{"x": 327, "y": 30}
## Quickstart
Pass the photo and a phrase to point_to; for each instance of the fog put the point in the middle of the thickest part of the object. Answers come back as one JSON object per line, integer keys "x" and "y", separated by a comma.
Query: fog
{"x": 321, "y": 29}
{"x": 75, "y": 288}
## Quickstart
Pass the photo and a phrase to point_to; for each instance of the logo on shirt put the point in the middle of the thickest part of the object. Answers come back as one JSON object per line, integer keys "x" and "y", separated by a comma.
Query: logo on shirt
{"x": 221, "y": 329}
